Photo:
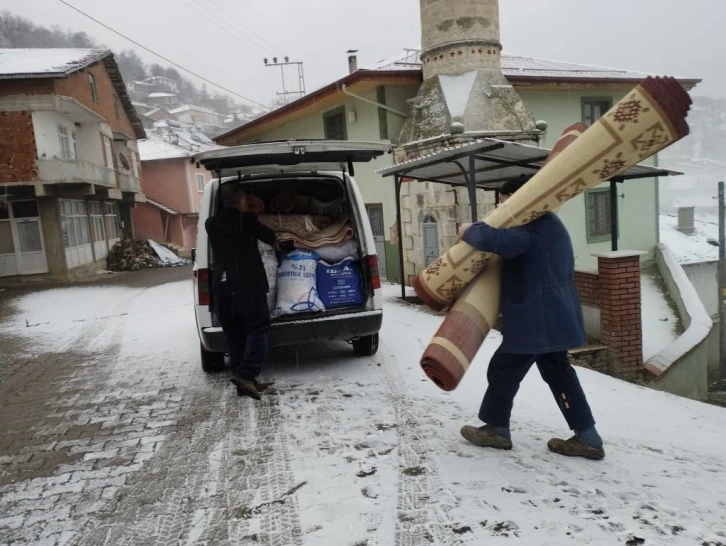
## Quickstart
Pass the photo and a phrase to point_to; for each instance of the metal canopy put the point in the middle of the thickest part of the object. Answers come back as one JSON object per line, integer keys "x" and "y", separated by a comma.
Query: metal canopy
{"x": 486, "y": 164}
{"x": 494, "y": 162}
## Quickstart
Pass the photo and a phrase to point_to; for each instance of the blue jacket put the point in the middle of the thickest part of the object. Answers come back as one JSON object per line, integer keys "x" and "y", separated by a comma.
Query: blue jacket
{"x": 540, "y": 306}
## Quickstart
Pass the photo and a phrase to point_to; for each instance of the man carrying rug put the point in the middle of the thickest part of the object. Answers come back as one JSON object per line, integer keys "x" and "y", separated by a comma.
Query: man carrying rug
{"x": 542, "y": 319}
{"x": 240, "y": 287}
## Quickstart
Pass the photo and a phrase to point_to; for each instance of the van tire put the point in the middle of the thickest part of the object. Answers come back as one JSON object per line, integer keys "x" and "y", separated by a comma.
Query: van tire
{"x": 212, "y": 362}
{"x": 366, "y": 346}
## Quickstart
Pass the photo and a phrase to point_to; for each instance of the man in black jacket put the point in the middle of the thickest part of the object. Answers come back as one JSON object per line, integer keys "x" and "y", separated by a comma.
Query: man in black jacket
{"x": 240, "y": 286}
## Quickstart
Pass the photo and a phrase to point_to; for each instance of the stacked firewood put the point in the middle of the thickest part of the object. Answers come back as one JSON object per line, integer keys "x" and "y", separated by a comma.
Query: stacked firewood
{"x": 132, "y": 255}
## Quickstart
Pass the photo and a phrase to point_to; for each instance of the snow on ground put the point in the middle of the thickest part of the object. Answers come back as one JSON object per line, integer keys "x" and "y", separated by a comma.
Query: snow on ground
{"x": 349, "y": 451}
{"x": 661, "y": 326}
{"x": 695, "y": 248}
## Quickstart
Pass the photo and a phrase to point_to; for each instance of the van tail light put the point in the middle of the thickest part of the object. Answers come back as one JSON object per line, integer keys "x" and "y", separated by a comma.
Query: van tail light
{"x": 203, "y": 286}
{"x": 375, "y": 274}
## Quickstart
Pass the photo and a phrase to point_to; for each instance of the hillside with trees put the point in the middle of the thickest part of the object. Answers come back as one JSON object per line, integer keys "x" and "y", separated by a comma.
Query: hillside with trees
{"x": 19, "y": 32}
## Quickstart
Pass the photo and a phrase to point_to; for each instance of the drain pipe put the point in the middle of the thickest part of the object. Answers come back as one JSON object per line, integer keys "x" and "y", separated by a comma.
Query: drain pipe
{"x": 374, "y": 103}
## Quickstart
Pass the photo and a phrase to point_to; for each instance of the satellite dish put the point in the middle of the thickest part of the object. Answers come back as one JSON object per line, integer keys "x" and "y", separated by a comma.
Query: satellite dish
{"x": 124, "y": 161}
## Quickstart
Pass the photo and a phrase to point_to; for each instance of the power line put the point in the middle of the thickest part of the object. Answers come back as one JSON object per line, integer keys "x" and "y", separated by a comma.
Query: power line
{"x": 164, "y": 58}
{"x": 270, "y": 44}
{"x": 215, "y": 23}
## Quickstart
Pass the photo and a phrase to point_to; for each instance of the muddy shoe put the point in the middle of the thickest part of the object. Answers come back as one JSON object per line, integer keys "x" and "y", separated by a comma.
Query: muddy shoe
{"x": 246, "y": 388}
{"x": 485, "y": 436}
{"x": 262, "y": 387}
{"x": 575, "y": 447}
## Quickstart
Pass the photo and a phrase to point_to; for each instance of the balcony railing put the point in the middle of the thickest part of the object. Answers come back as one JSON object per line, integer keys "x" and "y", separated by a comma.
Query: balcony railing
{"x": 75, "y": 171}
{"x": 129, "y": 183}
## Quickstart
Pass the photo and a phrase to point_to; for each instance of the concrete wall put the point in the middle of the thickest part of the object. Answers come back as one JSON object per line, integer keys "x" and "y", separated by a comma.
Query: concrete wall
{"x": 638, "y": 209}
{"x": 682, "y": 368}
{"x": 52, "y": 237}
{"x": 704, "y": 278}
{"x": 147, "y": 222}
{"x": 45, "y": 127}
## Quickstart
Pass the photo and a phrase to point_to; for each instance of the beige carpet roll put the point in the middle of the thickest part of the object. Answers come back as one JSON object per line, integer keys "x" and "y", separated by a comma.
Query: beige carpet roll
{"x": 647, "y": 120}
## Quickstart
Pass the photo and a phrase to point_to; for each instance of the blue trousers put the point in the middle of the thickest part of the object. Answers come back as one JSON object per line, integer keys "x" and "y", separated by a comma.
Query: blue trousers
{"x": 506, "y": 372}
{"x": 245, "y": 321}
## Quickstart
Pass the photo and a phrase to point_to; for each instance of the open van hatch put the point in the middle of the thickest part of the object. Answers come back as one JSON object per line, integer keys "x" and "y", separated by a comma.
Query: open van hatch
{"x": 311, "y": 155}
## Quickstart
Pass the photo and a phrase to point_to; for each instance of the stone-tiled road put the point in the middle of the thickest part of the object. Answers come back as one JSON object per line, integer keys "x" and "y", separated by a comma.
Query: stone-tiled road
{"x": 110, "y": 434}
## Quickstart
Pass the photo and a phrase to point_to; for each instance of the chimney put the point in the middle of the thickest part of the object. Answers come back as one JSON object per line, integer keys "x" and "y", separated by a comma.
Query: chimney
{"x": 686, "y": 216}
{"x": 352, "y": 60}
{"x": 463, "y": 80}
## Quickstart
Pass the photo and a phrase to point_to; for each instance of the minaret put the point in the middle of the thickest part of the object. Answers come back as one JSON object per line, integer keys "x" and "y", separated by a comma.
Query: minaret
{"x": 463, "y": 80}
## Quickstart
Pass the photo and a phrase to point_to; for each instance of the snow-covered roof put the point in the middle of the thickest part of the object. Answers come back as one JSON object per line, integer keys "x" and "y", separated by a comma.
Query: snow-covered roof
{"x": 173, "y": 143}
{"x": 191, "y": 107}
{"x": 46, "y": 63}
{"x": 518, "y": 66}
{"x": 160, "y": 95}
{"x": 690, "y": 249}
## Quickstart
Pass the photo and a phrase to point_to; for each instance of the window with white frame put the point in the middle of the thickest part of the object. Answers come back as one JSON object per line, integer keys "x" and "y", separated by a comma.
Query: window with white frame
{"x": 74, "y": 223}
{"x": 98, "y": 230}
{"x": 108, "y": 148}
{"x": 66, "y": 152}
{"x": 200, "y": 182}
{"x": 113, "y": 228}
{"x": 74, "y": 144}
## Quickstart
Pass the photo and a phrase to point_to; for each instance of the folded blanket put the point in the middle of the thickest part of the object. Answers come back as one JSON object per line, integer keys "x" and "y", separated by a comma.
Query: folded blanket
{"x": 300, "y": 225}
{"x": 647, "y": 120}
{"x": 338, "y": 233}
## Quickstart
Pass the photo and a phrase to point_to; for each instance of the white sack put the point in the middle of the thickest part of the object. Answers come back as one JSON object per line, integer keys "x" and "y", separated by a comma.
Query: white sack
{"x": 296, "y": 286}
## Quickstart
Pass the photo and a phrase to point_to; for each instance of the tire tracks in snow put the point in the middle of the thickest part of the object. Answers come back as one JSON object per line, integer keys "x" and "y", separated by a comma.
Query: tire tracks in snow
{"x": 223, "y": 477}
{"x": 424, "y": 504}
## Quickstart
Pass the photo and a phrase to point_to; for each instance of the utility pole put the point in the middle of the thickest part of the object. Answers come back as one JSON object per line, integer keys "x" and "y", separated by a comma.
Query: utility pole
{"x": 300, "y": 76}
{"x": 722, "y": 281}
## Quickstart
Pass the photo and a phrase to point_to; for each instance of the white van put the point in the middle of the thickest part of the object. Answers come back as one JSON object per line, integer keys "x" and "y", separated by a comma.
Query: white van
{"x": 311, "y": 166}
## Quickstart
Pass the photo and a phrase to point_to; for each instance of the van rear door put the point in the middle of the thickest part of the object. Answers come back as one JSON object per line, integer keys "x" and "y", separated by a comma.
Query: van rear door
{"x": 290, "y": 156}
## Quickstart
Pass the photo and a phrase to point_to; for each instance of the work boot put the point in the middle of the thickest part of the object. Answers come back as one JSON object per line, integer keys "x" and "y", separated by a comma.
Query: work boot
{"x": 245, "y": 387}
{"x": 576, "y": 447}
{"x": 485, "y": 436}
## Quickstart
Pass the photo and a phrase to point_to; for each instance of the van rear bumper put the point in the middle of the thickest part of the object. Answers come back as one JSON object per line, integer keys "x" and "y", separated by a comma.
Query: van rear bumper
{"x": 334, "y": 328}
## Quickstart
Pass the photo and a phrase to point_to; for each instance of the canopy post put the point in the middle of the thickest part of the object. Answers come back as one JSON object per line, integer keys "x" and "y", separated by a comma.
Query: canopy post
{"x": 399, "y": 228}
{"x": 614, "y": 214}
{"x": 472, "y": 187}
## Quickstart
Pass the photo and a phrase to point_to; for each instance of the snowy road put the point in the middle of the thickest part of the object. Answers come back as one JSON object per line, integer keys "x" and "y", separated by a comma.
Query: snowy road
{"x": 111, "y": 434}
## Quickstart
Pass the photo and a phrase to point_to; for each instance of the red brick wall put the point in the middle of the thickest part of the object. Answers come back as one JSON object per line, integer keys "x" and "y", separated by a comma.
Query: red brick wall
{"x": 588, "y": 287}
{"x": 620, "y": 313}
{"x": 17, "y": 147}
{"x": 26, "y": 87}
{"x": 76, "y": 85}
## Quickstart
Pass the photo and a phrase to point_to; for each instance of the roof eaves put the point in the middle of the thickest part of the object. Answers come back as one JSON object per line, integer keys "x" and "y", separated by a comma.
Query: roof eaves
{"x": 354, "y": 77}
{"x": 92, "y": 58}
{"x": 120, "y": 87}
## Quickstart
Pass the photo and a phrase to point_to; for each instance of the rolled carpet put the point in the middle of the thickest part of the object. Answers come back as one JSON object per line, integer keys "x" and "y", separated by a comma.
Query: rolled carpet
{"x": 464, "y": 329}
{"x": 466, "y": 326}
{"x": 647, "y": 120}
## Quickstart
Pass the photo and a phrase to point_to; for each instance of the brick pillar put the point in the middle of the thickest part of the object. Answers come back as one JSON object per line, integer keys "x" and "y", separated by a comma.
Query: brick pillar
{"x": 621, "y": 328}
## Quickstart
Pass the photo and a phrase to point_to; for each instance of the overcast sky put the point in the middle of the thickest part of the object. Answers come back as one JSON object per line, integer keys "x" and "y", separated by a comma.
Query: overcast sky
{"x": 679, "y": 38}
